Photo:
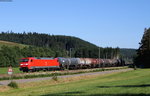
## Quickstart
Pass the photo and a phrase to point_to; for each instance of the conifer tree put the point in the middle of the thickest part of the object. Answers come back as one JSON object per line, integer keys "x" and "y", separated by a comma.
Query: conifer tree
{"x": 143, "y": 58}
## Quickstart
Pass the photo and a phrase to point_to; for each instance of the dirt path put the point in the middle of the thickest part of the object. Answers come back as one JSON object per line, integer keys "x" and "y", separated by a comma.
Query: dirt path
{"x": 5, "y": 82}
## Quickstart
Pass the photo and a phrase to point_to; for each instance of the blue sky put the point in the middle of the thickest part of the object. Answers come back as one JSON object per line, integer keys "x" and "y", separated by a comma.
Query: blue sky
{"x": 106, "y": 23}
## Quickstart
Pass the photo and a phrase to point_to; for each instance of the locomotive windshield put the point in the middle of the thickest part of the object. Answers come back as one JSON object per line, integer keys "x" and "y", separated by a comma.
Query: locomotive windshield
{"x": 24, "y": 60}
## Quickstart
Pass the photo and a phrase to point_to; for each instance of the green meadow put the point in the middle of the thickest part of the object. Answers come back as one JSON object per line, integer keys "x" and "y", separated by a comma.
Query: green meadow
{"x": 131, "y": 83}
{"x": 4, "y": 70}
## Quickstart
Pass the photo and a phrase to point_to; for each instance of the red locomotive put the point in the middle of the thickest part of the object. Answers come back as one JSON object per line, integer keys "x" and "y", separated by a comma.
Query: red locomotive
{"x": 36, "y": 64}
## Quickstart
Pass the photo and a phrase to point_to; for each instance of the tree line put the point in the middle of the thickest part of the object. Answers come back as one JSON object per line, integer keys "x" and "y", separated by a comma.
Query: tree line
{"x": 12, "y": 55}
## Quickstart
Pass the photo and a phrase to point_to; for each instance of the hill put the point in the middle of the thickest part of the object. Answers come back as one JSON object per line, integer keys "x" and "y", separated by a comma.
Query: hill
{"x": 128, "y": 54}
{"x": 71, "y": 45}
{"x": 45, "y": 40}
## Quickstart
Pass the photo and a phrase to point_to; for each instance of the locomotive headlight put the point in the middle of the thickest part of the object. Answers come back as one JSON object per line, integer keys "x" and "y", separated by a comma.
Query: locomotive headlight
{"x": 24, "y": 64}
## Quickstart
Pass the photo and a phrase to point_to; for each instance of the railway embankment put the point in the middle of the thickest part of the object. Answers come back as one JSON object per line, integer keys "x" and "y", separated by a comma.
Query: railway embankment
{"x": 56, "y": 72}
{"x": 48, "y": 75}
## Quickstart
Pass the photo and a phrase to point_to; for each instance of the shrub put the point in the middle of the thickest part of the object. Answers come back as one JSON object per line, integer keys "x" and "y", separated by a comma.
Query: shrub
{"x": 54, "y": 77}
{"x": 13, "y": 84}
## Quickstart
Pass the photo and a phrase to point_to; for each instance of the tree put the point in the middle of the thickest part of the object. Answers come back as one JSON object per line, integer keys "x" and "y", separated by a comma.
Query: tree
{"x": 143, "y": 58}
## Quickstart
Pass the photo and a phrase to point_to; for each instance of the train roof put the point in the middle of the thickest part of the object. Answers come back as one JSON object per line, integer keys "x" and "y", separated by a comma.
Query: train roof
{"x": 43, "y": 58}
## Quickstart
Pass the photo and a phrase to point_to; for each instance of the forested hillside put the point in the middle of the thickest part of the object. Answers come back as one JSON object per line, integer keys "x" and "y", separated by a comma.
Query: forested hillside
{"x": 45, "y": 40}
{"x": 77, "y": 47}
{"x": 44, "y": 45}
{"x": 128, "y": 54}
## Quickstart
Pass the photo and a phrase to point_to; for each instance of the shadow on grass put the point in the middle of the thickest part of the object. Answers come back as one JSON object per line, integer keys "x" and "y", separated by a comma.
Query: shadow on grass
{"x": 65, "y": 94}
{"x": 130, "y": 86}
{"x": 78, "y": 94}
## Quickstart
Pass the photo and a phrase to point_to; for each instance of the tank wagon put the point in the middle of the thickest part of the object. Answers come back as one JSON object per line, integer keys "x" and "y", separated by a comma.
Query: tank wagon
{"x": 36, "y": 64}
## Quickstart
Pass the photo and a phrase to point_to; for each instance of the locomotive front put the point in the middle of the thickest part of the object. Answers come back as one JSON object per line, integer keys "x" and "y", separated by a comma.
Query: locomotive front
{"x": 24, "y": 64}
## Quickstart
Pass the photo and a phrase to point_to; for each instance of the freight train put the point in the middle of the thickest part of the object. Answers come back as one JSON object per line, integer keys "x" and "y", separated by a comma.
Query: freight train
{"x": 37, "y": 64}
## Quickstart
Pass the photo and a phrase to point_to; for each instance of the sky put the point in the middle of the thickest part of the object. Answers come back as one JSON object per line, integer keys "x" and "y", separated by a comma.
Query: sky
{"x": 105, "y": 23}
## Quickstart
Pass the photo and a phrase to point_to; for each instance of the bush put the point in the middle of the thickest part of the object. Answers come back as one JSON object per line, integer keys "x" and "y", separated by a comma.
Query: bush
{"x": 13, "y": 84}
{"x": 55, "y": 78}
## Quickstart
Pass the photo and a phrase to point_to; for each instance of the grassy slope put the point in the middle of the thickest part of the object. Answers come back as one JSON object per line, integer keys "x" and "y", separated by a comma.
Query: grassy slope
{"x": 132, "y": 83}
{"x": 10, "y": 44}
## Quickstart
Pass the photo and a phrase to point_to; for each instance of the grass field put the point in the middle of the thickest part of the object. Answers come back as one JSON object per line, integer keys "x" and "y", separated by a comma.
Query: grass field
{"x": 4, "y": 70}
{"x": 132, "y": 83}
